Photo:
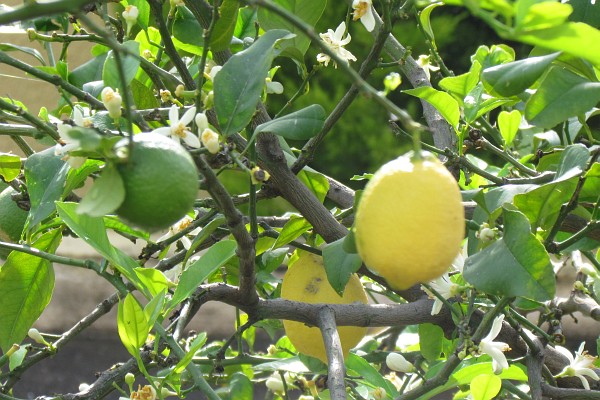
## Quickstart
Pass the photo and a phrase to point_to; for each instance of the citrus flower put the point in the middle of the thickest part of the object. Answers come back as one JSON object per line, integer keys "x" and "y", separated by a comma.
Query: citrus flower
{"x": 144, "y": 393}
{"x": 179, "y": 90}
{"x": 397, "y": 362}
{"x": 209, "y": 138}
{"x": 445, "y": 288}
{"x": 178, "y": 129}
{"x": 130, "y": 15}
{"x": 580, "y": 366}
{"x": 424, "y": 62}
{"x": 495, "y": 349}
{"x": 178, "y": 227}
{"x": 214, "y": 71}
{"x": 275, "y": 384}
{"x": 165, "y": 95}
{"x": 379, "y": 394}
{"x": 336, "y": 42}
{"x": 363, "y": 10}
{"x": 36, "y": 336}
{"x": 112, "y": 102}
{"x": 70, "y": 143}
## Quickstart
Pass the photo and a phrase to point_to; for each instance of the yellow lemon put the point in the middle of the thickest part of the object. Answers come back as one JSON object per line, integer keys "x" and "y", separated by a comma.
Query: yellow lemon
{"x": 410, "y": 221}
{"x": 306, "y": 281}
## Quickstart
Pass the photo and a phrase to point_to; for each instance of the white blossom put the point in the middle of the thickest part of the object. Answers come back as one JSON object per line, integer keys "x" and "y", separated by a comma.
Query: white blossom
{"x": 130, "y": 15}
{"x": 177, "y": 129}
{"x": 336, "y": 42}
{"x": 275, "y": 384}
{"x": 363, "y": 10}
{"x": 495, "y": 349}
{"x": 70, "y": 143}
{"x": 580, "y": 366}
{"x": 445, "y": 288}
{"x": 424, "y": 62}
{"x": 112, "y": 101}
{"x": 397, "y": 362}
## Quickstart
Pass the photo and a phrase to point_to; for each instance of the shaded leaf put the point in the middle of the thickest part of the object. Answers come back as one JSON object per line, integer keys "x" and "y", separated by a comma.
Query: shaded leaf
{"x": 299, "y": 125}
{"x": 339, "y": 265}
{"x": 515, "y": 265}
{"x": 225, "y": 26}
{"x": 106, "y": 194}
{"x": 361, "y": 367}
{"x": 131, "y": 63}
{"x": 430, "y": 341}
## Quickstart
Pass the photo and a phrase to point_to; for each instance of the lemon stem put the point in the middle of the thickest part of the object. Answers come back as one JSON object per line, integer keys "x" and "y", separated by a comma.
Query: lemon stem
{"x": 417, "y": 151}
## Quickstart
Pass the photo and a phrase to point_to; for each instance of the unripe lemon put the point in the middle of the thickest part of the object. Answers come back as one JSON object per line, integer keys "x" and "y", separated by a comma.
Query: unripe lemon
{"x": 410, "y": 221}
{"x": 160, "y": 179}
{"x": 306, "y": 281}
{"x": 12, "y": 219}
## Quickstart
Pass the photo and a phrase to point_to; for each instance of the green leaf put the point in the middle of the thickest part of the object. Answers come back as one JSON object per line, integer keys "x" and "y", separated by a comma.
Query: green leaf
{"x": 155, "y": 307}
{"x": 90, "y": 71}
{"x": 204, "y": 234}
{"x": 430, "y": 340}
{"x": 196, "y": 344}
{"x": 187, "y": 29}
{"x": 240, "y": 387}
{"x": 132, "y": 325}
{"x": 106, "y": 194}
{"x": 573, "y": 161}
{"x": 364, "y": 369}
{"x": 516, "y": 265}
{"x": 339, "y": 265}
{"x": 575, "y": 38}
{"x": 493, "y": 200}
{"x": 143, "y": 96}
{"x": 508, "y": 123}
{"x": 562, "y": 94}
{"x": 45, "y": 174}
{"x": 425, "y": 20}
{"x": 541, "y": 15}
{"x": 485, "y": 387}
{"x": 316, "y": 182}
{"x": 513, "y": 78}
{"x": 93, "y": 232}
{"x": 110, "y": 71}
{"x": 77, "y": 177}
{"x": 144, "y": 12}
{"x": 591, "y": 186}
{"x": 300, "y": 125}
{"x": 27, "y": 282}
{"x": 154, "y": 280}
{"x": 442, "y": 101}
{"x": 292, "y": 229}
{"x": 240, "y": 82}
{"x": 585, "y": 11}
{"x": 461, "y": 85}
{"x": 309, "y": 11}
{"x": 223, "y": 30}
{"x": 245, "y": 25}
{"x": 27, "y": 50}
{"x": 464, "y": 375}
{"x": 10, "y": 166}
{"x": 197, "y": 272}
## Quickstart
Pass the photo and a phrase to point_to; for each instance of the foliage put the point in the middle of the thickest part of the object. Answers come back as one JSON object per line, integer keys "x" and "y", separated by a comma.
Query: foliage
{"x": 516, "y": 124}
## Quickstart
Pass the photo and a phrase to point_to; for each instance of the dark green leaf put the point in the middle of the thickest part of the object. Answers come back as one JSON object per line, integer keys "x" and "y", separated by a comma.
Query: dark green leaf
{"x": 46, "y": 175}
{"x": 300, "y": 125}
{"x": 430, "y": 339}
{"x": 27, "y": 282}
{"x": 516, "y": 265}
{"x": 240, "y": 387}
{"x": 244, "y": 26}
{"x": 198, "y": 271}
{"x": 339, "y": 265}
{"x": 309, "y": 11}
{"x": 240, "y": 82}
{"x": 187, "y": 29}
{"x": 573, "y": 161}
{"x": 585, "y": 11}
{"x": 131, "y": 63}
{"x": 27, "y": 50}
{"x": 365, "y": 370}
{"x": 143, "y": 96}
{"x": 223, "y": 30}
{"x": 513, "y": 78}
{"x": 562, "y": 94}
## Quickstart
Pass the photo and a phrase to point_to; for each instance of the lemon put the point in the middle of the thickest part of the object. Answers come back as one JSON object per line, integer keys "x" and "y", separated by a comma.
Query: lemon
{"x": 306, "y": 281}
{"x": 12, "y": 219}
{"x": 410, "y": 221}
{"x": 160, "y": 180}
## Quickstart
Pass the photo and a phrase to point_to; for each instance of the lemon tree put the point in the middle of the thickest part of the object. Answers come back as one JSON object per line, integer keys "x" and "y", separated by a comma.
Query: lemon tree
{"x": 410, "y": 221}
{"x": 306, "y": 281}
{"x": 220, "y": 138}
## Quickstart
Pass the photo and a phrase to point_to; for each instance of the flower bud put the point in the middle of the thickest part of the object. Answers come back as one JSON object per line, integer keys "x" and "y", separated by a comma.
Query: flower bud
{"x": 129, "y": 379}
{"x": 397, "y": 362}
{"x": 165, "y": 95}
{"x": 112, "y": 101}
{"x": 130, "y": 15}
{"x": 275, "y": 384}
{"x": 379, "y": 394}
{"x": 36, "y": 336}
{"x": 210, "y": 140}
{"x": 179, "y": 90}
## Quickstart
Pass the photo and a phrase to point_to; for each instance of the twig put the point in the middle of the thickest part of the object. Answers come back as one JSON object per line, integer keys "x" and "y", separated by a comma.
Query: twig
{"x": 35, "y": 9}
{"x": 335, "y": 356}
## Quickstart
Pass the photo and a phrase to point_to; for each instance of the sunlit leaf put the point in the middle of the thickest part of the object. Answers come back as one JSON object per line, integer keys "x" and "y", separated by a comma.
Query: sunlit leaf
{"x": 442, "y": 101}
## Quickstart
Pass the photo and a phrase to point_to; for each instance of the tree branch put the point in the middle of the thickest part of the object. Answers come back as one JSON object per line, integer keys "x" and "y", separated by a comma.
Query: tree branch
{"x": 335, "y": 356}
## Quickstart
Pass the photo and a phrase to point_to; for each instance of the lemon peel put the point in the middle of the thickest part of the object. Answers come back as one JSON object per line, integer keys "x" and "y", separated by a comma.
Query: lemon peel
{"x": 410, "y": 221}
{"x": 306, "y": 281}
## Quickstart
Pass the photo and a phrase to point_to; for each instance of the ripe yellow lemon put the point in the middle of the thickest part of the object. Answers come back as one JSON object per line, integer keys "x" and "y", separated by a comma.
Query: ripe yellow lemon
{"x": 306, "y": 281}
{"x": 161, "y": 182}
{"x": 410, "y": 221}
{"x": 12, "y": 219}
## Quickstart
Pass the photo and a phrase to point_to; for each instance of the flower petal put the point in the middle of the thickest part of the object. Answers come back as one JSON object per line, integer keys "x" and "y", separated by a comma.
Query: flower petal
{"x": 368, "y": 20}
{"x": 163, "y": 130}
{"x": 173, "y": 115}
{"x": 192, "y": 140}
{"x": 188, "y": 116}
